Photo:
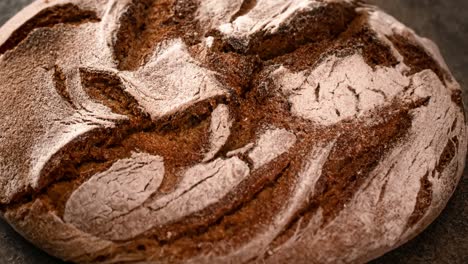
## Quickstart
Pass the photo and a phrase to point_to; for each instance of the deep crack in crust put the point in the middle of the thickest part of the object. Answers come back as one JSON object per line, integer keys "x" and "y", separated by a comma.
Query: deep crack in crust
{"x": 146, "y": 23}
{"x": 417, "y": 58}
{"x": 269, "y": 46}
{"x": 255, "y": 105}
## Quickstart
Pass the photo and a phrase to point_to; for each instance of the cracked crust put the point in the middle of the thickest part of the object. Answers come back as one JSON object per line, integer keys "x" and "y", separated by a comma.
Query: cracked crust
{"x": 264, "y": 131}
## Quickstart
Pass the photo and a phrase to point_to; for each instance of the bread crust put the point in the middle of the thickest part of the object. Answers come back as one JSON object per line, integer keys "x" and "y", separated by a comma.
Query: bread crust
{"x": 170, "y": 131}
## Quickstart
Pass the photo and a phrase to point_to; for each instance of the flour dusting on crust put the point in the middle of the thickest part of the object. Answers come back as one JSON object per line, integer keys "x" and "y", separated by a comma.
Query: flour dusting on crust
{"x": 340, "y": 88}
{"x": 223, "y": 131}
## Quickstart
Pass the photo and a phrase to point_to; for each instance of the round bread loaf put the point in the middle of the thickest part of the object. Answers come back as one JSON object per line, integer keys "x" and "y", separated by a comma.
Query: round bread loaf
{"x": 208, "y": 131}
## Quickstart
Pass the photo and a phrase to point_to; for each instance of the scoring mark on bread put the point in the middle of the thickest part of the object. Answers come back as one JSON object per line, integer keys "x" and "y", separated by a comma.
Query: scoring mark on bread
{"x": 271, "y": 39}
{"x": 107, "y": 88}
{"x": 448, "y": 154}
{"x": 354, "y": 156}
{"x": 146, "y": 23}
{"x": 202, "y": 186}
{"x": 60, "y": 83}
{"x": 423, "y": 202}
{"x": 220, "y": 130}
{"x": 106, "y": 145}
{"x": 302, "y": 187}
{"x": 417, "y": 58}
{"x": 246, "y": 129}
{"x": 350, "y": 163}
{"x": 59, "y": 14}
{"x": 143, "y": 19}
{"x": 170, "y": 61}
{"x": 114, "y": 192}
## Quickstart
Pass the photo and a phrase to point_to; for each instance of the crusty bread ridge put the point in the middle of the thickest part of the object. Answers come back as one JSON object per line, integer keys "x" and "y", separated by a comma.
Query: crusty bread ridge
{"x": 206, "y": 131}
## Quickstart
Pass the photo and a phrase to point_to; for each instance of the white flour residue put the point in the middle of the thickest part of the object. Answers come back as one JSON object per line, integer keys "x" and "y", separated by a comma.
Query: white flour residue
{"x": 339, "y": 88}
{"x": 267, "y": 15}
{"x": 171, "y": 81}
{"x": 220, "y": 130}
{"x": 112, "y": 193}
{"x": 201, "y": 186}
{"x": 213, "y": 13}
{"x": 270, "y": 145}
{"x": 386, "y": 26}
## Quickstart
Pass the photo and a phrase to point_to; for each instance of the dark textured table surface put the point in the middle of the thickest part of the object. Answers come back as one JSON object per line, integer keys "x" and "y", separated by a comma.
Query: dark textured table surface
{"x": 446, "y": 240}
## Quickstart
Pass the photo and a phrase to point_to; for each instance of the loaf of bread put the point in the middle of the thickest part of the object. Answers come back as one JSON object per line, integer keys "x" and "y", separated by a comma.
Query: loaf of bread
{"x": 209, "y": 131}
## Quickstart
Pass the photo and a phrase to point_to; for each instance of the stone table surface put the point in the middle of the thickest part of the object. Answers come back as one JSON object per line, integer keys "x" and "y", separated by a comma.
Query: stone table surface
{"x": 446, "y": 240}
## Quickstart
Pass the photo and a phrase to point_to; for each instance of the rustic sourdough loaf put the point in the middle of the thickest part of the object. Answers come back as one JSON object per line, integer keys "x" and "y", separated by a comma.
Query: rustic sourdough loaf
{"x": 207, "y": 131}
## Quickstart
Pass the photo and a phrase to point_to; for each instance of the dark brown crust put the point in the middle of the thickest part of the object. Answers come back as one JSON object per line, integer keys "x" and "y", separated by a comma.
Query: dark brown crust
{"x": 227, "y": 219}
{"x": 255, "y": 104}
{"x": 107, "y": 89}
{"x": 97, "y": 150}
{"x": 356, "y": 37}
{"x": 423, "y": 202}
{"x": 148, "y": 22}
{"x": 341, "y": 176}
{"x": 417, "y": 58}
{"x": 450, "y": 151}
{"x": 136, "y": 23}
{"x": 252, "y": 113}
{"x": 359, "y": 36}
{"x": 60, "y": 14}
{"x": 333, "y": 18}
{"x": 354, "y": 157}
